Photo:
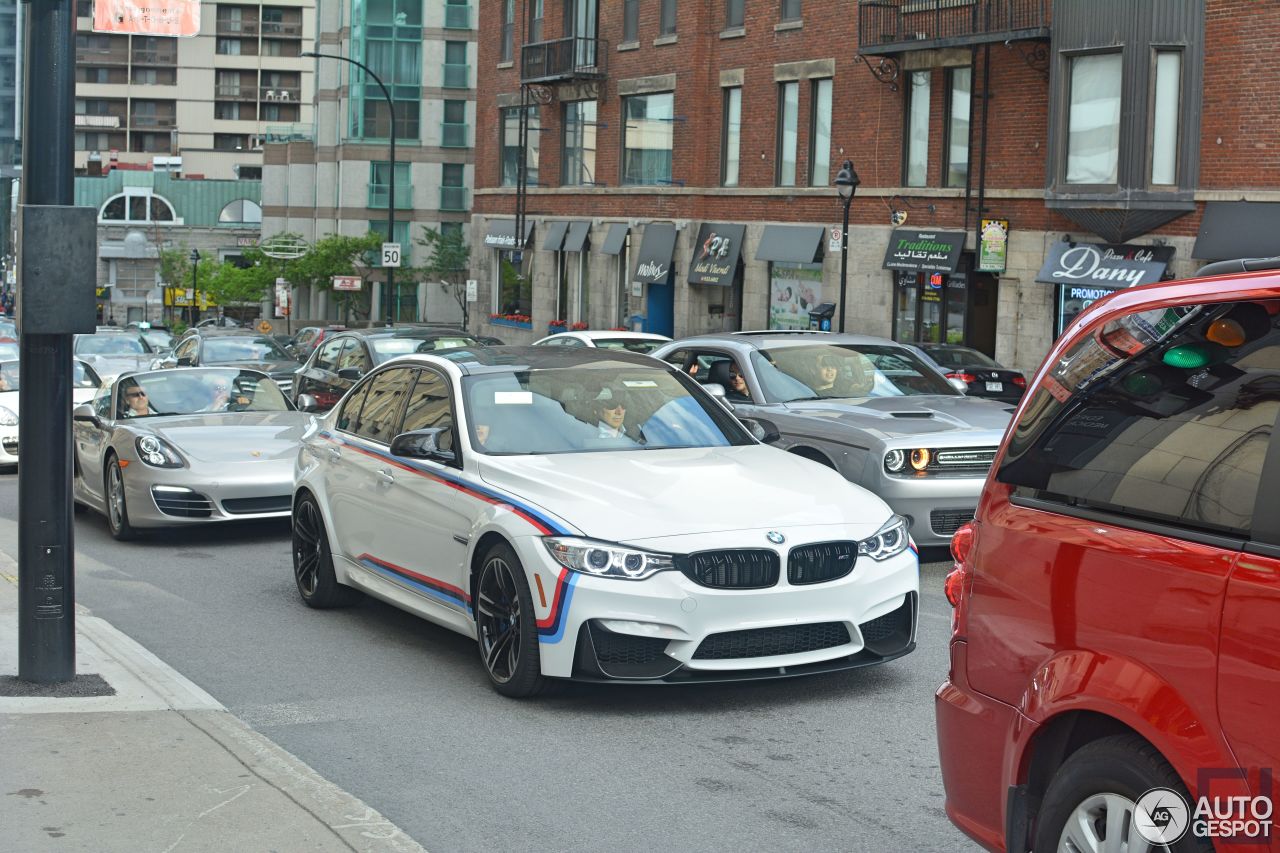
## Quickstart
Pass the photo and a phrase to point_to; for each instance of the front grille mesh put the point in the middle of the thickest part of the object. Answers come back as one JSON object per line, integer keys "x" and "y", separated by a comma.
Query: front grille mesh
{"x": 879, "y": 628}
{"x": 244, "y": 506}
{"x": 183, "y": 504}
{"x": 614, "y": 649}
{"x": 964, "y": 458}
{"x": 820, "y": 563}
{"x": 947, "y": 521}
{"x": 769, "y": 642}
{"x": 748, "y": 568}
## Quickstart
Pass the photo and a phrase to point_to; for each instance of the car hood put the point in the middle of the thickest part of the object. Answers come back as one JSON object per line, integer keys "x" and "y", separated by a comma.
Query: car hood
{"x": 907, "y": 416}
{"x": 231, "y": 437}
{"x": 628, "y": 496}
{"x": 268, "y": 367}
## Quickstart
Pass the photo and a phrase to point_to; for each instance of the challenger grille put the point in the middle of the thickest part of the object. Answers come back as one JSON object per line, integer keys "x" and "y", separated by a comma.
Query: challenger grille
{"x": 748, "y": 568}
{"x": 819, "y": 563}
{"x": 770, "y": 642}
{"x": 947, "y": 521}
{"x": 964, "y": 458}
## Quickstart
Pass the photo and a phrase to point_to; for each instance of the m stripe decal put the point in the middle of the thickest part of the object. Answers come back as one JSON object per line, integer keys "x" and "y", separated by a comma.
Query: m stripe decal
{"x": 437, "y": 589}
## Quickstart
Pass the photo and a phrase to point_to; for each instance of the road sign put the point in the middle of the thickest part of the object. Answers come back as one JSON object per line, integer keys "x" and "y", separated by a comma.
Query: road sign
{"x": 837, "y": 239}
{"x": 391, "y": 254}
{"x": 264, "y": 327}
{"x": 473, "y": 293}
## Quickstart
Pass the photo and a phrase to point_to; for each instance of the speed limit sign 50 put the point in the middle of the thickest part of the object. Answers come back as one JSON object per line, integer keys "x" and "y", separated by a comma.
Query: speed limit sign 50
{"x": 391, "y": 254}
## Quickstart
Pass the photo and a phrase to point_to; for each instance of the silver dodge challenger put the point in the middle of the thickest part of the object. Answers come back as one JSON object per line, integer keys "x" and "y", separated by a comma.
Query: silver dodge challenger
{"x": 175, "y": 447}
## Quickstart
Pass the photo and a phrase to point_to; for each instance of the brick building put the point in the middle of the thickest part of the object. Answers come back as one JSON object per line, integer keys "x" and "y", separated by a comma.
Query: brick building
{"x": 657, "y": 133}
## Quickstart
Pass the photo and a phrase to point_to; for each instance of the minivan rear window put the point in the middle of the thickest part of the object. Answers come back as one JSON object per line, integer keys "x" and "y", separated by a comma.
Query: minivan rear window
{"x": 1165, "y": 416}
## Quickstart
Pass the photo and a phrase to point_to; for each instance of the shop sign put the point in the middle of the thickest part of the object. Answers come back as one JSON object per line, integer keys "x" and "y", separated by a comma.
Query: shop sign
{"x": 793, "y": 290}
{"x": 348, "y": 282}
{"x": 715, "y": 254}
{"x": 993, "y": 245}
{"x": 185, "y": 297}
{"x": 1101, "y": 264}
{"x": 924, "y": 251}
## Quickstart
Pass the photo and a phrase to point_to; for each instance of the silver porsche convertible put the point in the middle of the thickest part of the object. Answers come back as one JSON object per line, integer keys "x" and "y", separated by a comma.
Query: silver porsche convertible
{"x": 174, "y": 447}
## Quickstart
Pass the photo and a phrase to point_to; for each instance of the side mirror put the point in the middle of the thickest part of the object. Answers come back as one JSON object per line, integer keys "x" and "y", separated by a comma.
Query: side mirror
{"x": 959, "y": 385}
{"x": 352, "y": 374}
{"x": 715, "y": 389}
{"x": 764, "y": 431}
{"x": 307, "y": 403}
{"x": 425, "y": 444}
{"x": 84, "y": 412}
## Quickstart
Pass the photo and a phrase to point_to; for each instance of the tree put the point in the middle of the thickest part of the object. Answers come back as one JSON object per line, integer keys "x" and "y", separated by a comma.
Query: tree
{"x": 449, "y": 263}
{"x": 175, "y": 271}
{"x": 338, "y": 254}
{"x": 233, "y": 284}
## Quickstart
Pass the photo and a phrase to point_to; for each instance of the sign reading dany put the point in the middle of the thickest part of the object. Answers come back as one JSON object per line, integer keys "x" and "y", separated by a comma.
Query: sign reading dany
{"x": 1101, "y": 264}
{"x": 715, "y": 254}
{"x": 147, "y": 17}
{"x": 924, "y": 251}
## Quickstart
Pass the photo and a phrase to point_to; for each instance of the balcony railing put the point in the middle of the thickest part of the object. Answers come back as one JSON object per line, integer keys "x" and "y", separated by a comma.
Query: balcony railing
{"x": 97, "y": 121}
{"x": 457, "y": 76}
{"x": 155, "y": 57}
{"x": 454, "y": 135}
{"x": 102, "y": 56}
{"x": 232, "y": 92}
{"x": 284, "y": 94}
{"x": 378, "y": 194}
{"x": 278, "y": 29}
{"x": 288, "y": 133}
{"x": 237, "y": 28}
{"x": 453, "y": 198}
{"x": 894, "y": 26}
{"x": 140, "y": 121}
{"x": 457, "y": 17}
{"x": 570, "y": 58}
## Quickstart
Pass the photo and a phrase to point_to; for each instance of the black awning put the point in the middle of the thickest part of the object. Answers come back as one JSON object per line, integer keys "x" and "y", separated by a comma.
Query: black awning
{"x": 576, "y": 241}
{"x": 1238, "y": 229}
{"x": 555, "y": 235}
{"x": 615, "y": 239}
{"x": 656, "y": 249}
{"x": 793, "y": 244}
{"x": 715, "y": 254}
{"x": 502, "y": 234}
{"x": 924, "y": 251}
{"x": 1104, "y": 264}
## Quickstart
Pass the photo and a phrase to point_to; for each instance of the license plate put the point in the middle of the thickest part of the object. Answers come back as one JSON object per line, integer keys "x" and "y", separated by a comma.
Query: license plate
{"x": 995, "y": 387}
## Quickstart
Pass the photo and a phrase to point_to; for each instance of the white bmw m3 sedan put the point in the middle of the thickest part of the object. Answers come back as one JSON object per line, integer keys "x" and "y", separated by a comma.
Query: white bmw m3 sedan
{"x": 596, "y": 516}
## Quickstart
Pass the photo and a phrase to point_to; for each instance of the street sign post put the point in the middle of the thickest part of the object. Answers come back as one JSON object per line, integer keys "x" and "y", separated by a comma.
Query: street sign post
{"x": 391, "y": 254}
{"x": 473, "y": 290}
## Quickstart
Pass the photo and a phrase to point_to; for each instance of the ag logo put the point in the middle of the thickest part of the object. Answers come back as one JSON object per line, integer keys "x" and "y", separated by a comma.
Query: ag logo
{"x": 1161, "y": 816}
{"x": 775, "y": 537}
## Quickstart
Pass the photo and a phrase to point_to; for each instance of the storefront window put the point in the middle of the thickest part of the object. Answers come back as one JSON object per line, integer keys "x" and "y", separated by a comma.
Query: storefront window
{"x": 1072, "y": 299}
{"x": 794, "y": 289}
{"x": 513, "y": 289}
{"x": 930, "y": 307}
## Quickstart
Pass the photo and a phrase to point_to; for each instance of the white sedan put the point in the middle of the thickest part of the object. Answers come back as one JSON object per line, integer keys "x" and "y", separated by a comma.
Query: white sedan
{"x": 641, "y": 342}
{"x": 595, "y": 516}
{"x": 84, "y": 383}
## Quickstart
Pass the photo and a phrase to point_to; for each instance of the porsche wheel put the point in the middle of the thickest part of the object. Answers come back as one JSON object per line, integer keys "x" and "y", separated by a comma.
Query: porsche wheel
{"x": 313, "y": 562}
{"x": 506, "y": 626}
{"x": 117, "y": 506}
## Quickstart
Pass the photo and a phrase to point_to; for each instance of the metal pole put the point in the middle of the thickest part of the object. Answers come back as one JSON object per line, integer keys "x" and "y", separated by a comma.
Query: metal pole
{"x": 195, "y": 290}
{"x": 844, "y": 259}
{"x": 46, "y": 543}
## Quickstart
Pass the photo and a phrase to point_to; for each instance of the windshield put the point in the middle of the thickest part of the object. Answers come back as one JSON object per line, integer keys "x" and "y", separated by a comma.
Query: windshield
{"x": 82, "y": 376}
{"x": 582, "y": 409}
{"x": 198, "y": 391}
{"x": 828, "y": 371}
{"x": 388, "y": 348}
{"x": 159, "y": 340}
{"x": 959, "y": 357}
{"x": 8, "y": 351}
{"x": 110, "y": 345}
{"x": 224, "y": 349}
{"x": 629, "y": 344}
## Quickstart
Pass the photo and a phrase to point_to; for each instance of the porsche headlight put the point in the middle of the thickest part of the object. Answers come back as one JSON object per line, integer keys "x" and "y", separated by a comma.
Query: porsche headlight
{"x": 889, "y": 541}
{"x": 606, "y": 559}
{"x": 7, "y": 417}
{"x": 157, "y": 452}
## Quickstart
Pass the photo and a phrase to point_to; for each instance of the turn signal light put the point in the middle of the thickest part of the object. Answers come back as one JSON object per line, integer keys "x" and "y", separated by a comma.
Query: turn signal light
{"x": 920, "y": 459}
{"x": 1229, "y": 333}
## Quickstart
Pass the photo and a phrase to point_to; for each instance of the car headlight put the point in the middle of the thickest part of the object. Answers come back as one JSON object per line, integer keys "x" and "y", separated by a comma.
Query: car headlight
{"x": 157, "y": 452}
{"x": 7, "y": 417}
{"x": 895, "y": 461}
{"x": 889, "y": 541}
{"x": 915, "y": 460}
{"x": 606, "y": 559}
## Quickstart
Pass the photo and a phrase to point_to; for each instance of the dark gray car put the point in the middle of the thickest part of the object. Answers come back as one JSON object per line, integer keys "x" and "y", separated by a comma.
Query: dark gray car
{"x": 234, "y": 347}
{"x": 870, "y": 408}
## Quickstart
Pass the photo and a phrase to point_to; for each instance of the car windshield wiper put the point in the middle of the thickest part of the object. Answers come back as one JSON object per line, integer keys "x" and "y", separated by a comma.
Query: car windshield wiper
{"x": 807, "y": 399}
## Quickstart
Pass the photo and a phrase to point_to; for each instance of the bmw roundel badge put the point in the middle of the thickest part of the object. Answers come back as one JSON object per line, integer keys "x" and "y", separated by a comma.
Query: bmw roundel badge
{"x": 775, "y": 537}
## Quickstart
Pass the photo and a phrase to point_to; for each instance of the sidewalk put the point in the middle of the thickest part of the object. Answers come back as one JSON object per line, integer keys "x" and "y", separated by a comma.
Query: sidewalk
{"x": 158, "y": 766}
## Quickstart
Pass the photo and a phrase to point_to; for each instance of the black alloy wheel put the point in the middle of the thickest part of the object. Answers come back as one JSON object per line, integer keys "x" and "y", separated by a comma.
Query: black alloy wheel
{"x": 506, "y": 626}
{"x": 313, "y": 562}
{"x": 117, "y": 508}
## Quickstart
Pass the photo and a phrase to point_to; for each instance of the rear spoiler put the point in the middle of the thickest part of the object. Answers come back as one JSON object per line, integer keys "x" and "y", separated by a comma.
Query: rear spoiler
{"x": 1238, "y": 265}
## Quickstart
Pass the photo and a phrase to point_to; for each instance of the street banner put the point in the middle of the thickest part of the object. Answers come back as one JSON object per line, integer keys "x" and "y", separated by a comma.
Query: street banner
{"x": 147, "y": 17}
{"x": 282, "y": 297}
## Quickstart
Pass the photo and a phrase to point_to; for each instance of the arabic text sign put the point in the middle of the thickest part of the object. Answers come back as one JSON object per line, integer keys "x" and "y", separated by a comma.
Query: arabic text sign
{"x": 924, "y": 251}
{"x": 147, "y": 17}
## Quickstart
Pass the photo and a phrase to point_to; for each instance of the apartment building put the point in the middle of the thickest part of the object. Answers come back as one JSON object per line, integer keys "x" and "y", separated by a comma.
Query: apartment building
{"x": 214, "y": 99}
{"x": 1017, "y": 160}
{"x": 337, "y": 179}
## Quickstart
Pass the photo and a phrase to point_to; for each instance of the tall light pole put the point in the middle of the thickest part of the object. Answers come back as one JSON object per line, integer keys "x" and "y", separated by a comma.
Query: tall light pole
{"x": 846, "y": 185}
{"x": 391, "y": 191}
{"x": 195, "y": 287}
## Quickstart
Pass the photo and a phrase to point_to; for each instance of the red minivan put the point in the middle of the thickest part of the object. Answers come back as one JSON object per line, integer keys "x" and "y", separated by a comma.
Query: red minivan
{"x": 1115, "y": 648}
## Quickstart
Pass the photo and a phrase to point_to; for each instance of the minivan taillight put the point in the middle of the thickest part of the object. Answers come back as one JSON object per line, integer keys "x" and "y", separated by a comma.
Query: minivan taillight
{"x": 958, "y": 580}
{"x": 954, "y": 586}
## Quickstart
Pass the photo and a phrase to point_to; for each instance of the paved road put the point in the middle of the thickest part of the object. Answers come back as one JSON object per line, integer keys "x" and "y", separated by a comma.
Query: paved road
{"x": 398, "y": 713}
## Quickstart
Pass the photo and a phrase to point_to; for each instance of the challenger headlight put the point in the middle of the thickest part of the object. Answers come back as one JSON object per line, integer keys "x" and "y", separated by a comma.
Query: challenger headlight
{"x": 895, "y": 461}
{"x": 606, "y": 559}
{"x": 157, "y": 452}
{"x": 7, "y": 417}
{"x": 889, "y": 541}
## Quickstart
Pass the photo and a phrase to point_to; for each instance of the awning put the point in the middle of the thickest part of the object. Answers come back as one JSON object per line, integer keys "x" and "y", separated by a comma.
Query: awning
{"x": 1238, "y": 229}
{"x": 555, "y": 235}
{"x": 656, "y": 248}
{"x": 715, "y": 253}
{"x": 502, "y": 233}
{"x": 1104, "y": 264}
{"x": 924, "y": 251}
{"x": 576, "y": 241}
{"x": 793, "y": 244}
{"x": 615, "y": 239}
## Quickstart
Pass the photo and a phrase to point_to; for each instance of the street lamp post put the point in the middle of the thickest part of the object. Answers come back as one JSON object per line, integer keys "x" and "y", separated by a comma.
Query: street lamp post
{"x": 195, "y": 287}
{"x": 846, "y": 185}
{"x": 391, "y": 190}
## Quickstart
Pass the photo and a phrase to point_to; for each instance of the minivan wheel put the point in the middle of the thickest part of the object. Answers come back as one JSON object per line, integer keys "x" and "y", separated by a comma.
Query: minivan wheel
{"x": 1090, "y": 802}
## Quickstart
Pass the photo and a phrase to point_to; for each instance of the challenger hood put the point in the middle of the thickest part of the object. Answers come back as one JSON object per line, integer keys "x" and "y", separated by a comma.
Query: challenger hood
{"x": 890, "y": 417}
{"x": 631, "y": 495}
{"x": 232, "y": 437}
